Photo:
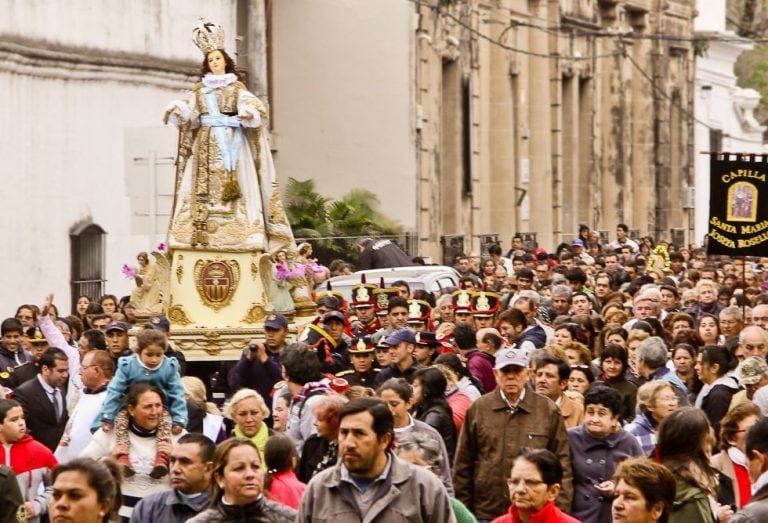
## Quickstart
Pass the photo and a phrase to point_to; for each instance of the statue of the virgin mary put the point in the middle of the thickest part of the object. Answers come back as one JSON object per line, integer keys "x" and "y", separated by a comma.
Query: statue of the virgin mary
{"x": 227, "y": 219}
{"x": 226, "y": 189}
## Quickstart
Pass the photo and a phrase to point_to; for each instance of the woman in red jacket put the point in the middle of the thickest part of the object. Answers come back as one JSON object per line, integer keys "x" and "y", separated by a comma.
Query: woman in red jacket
{"x": 533, "y": 487}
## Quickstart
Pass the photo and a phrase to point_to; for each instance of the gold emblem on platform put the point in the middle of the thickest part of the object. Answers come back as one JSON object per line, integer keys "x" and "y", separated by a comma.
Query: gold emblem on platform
{"x": 255, "y": 314}
{"x": 216, "y": 281}
{"x": 178, "y": 315}
{"x": 254, "y": 267}
{"x": 179, "y": 268}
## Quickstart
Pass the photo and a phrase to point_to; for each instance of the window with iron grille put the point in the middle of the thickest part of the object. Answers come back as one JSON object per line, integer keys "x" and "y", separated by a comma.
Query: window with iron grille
{"x": 87, "y": 257}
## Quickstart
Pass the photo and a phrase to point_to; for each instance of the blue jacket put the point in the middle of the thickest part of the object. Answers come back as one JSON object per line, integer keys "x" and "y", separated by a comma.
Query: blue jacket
{"x": 129, "y": 371}
{"x": 643, "y": 430}
{"x": 168, "y": 507}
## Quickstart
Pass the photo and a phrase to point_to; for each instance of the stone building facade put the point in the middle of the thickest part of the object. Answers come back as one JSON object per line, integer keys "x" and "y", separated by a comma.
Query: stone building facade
{"x": 536, "y": 116}
{"x": 476, "y": 119}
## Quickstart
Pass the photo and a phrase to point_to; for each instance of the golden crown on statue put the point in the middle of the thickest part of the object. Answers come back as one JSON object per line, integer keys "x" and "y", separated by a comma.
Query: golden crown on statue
{"x": 208, "y": 37}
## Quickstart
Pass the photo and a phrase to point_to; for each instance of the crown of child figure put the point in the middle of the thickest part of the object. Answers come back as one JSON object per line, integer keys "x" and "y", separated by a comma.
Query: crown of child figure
{"x": 208, "y": 37}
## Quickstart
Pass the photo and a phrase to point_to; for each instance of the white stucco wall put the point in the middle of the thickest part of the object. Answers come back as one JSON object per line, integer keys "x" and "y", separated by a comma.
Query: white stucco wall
{"x": 155, "y": 27}
{"x": 63, "y": 145}
{"x": 711, "y": 16}
{"x": 343, "y": 98}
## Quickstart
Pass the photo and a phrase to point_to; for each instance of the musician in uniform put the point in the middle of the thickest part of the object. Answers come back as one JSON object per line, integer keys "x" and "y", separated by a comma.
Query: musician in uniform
{"x": 363, "y": 373}
{"x": 364, "y": 306}
{"x": 485, "y": 304}
{"x": 462, "y": 306}
{"x": 419, "y": 313}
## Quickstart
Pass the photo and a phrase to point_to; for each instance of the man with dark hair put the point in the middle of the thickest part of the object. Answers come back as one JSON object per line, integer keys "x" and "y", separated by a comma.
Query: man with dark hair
{"x": 259, "y": 364}
{"x": 613, "y": 267}
{"x": 12, "y": 354}
{"x": 622, "y": 239}
{"x": 404, "y": 290}
{"x": 44, "y": 398}
{"x": 551, "y": 380}
{"x": 677, "y": 265}
{"x": 603, "y": 287}
{"x": 494, "y": 252}
{"x": 302, "y": 372}
{"x": 512, "y": 323}
{"x": 401, "y": 346}
{"x": 369, "y": 481}
{"x": 534, "y": 331}
{"x": 479, "y": 364}
{"x": 381, "y": 254}
{"x": 191, "y": 471}
{"x": 101, "y": 321}
{"x": 581, "y": 304}
{"x": 397, "y": 318}
{"x": 116, "y": 335}
{"x": 91, "y": 339}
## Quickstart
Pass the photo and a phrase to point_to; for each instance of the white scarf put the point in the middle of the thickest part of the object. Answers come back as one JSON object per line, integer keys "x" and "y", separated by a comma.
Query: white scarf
{"x": 219, "y": 80}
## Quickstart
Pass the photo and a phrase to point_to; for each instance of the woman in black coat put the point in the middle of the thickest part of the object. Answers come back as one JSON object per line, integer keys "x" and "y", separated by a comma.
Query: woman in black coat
{"x": 431, "y": 407}
{"x": 713, "y": 366}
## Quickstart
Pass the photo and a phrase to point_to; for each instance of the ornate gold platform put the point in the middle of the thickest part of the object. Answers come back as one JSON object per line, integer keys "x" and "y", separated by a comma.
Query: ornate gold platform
{"x": 216, "y": 303}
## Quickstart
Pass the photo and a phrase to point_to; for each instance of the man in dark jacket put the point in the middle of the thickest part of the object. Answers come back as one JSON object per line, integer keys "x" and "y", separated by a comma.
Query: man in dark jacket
{"x": 381, "y": 254}
{"x": 12, "y": 354}
{"x": 191, "y": 471}
{"x": 44, "y": 399}
{"x": 259, "y": 365}
{"x": 11, "y": 500}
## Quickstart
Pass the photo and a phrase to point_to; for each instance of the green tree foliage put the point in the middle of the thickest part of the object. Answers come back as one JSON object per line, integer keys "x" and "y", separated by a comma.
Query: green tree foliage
{"x": 752, "y": 71}
{"x": 335, "y": 223}
{"x": 749, "y": 18}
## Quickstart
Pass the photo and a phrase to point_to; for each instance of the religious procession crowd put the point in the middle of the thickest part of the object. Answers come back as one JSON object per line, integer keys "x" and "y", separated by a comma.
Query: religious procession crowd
{"x": 621, "y": 381}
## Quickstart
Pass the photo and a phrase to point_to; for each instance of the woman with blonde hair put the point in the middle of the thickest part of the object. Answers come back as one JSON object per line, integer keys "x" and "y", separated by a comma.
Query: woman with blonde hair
{"x": 655, "y": 401}
{"x": 213, "y": 421}
{"x": 238, "y": 487}
{"x": 248, "y": 410}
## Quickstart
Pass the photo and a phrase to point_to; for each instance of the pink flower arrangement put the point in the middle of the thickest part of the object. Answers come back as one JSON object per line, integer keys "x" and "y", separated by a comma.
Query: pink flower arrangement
{"x": 161, "y": 247}
{"x": 129, "y": 272}
{"x": 282, "y": 272}
{"x": 316, "y": 267}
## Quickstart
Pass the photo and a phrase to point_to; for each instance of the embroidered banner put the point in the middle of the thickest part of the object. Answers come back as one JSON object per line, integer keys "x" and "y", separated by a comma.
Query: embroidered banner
{"x": 738, "y": 220}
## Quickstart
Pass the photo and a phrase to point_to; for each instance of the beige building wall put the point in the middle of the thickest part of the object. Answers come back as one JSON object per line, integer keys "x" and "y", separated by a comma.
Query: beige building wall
{"x": 343, "y": 84}
{"x": 560, "y": 127}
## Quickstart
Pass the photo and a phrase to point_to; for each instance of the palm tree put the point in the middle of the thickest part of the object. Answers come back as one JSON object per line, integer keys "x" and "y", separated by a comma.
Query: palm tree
{"x": 315, "y": 216}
